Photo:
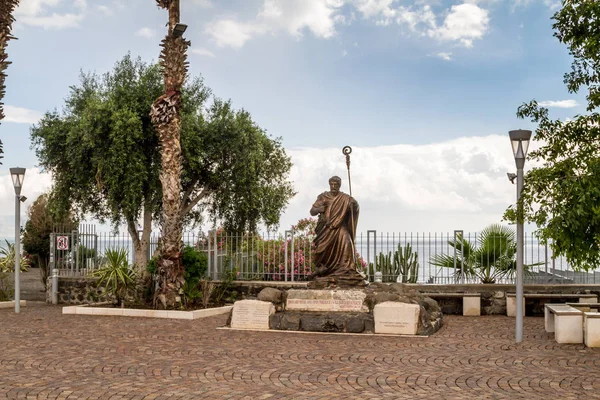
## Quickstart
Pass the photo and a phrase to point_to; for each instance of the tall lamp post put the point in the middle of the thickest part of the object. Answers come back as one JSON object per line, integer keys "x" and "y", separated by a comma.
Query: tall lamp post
{"x": 18, "y": 176}
{"x": 519, "y": 140}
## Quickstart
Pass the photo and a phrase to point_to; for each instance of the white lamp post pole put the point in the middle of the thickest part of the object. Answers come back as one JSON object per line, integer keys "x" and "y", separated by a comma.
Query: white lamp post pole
{"x": 520, "y": 143}
{"x": 18, "y": 175}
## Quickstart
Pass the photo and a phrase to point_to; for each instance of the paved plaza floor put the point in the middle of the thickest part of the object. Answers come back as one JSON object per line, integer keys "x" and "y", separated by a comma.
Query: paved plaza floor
{"x": 47, "y": 355}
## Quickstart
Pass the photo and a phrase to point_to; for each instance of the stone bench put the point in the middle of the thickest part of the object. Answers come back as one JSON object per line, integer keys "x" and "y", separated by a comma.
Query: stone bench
{"x": 586, "y": 307}
{"x": 591, "y": 329}
{"x": 511, "y": 299}
{"x": 471, "y": 301}
{"x": 565, "y": 321}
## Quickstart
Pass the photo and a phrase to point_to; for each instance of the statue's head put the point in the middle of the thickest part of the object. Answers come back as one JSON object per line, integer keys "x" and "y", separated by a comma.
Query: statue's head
{"x": 335, "y": 182}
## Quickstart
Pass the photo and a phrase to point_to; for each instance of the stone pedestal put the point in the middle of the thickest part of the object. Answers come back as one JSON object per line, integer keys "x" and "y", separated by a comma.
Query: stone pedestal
{"x": 568, "y": 327}
{"x": 511, "y": 306}
{"x": 471, "y": 304}
{"x": 326, "y": 300}
{"x": 591, "y": 332}
{"x": 396, "y": 318}
{"x": 251, "y": 314}
{"x": 588, "y": 299}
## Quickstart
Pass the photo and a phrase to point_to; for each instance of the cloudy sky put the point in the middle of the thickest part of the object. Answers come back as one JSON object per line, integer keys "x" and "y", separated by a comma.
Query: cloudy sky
{"x": 424, "y": 91}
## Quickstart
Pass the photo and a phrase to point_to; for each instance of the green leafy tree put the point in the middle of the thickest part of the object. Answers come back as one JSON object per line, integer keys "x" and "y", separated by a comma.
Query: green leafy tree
{"x": 562, "y": 195}
{"x": 103, "y": 152}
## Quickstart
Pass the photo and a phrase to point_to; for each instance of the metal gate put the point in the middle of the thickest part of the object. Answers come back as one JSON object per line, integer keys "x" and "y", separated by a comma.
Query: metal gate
{"x": 73, "y": 253}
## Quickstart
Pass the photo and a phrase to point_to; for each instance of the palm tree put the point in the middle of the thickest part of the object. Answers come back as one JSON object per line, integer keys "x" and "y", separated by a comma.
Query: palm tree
{"x": 492, "y": 257}
{"x": 166, "y": 118}
{"x": 6, "y": 19}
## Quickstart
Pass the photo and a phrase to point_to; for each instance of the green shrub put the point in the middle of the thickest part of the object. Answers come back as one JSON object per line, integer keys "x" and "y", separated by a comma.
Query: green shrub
{"x": 195, "y": 263}
{"x": 152, "y": 265}
{"x": 6, "y": 287}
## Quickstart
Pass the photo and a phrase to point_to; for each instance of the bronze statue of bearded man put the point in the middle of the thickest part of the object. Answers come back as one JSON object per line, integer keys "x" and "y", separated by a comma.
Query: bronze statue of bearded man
{"x": 335, "y": 252}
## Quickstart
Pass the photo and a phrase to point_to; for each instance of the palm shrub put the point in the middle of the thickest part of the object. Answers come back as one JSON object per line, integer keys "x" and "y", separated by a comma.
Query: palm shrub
{"x": 115, "y": 274}
{"x": 491, "y": 257}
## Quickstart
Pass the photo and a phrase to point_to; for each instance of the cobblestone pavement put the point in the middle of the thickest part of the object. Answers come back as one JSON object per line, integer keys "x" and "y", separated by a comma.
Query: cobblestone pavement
{"x": 45, "y": 355}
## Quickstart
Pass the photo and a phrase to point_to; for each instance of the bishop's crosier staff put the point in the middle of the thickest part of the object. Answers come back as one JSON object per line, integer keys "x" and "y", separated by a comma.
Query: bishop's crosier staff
{"x": 347, "y": 150}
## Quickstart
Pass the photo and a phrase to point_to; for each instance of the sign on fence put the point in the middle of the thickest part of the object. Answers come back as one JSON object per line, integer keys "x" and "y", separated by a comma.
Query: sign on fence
{"x": 62, "y": 243}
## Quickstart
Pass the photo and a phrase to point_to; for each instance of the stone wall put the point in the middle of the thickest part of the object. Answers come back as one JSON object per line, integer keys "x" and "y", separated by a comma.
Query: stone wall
{"x": 77, "y": 290}
{"x": 83, "y": 290}
{"x": 493, "y": 296}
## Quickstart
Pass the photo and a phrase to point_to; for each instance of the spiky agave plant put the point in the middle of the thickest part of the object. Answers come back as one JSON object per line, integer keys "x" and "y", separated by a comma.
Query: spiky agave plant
{"x": 7, "y": 7}
{"x": 166, "y": 117}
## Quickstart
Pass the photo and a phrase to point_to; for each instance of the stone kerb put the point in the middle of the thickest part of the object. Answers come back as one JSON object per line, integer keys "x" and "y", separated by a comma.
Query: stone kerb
{"x": 251, "y": 314}
{"x": 326, "y": 300}
{"x": 11, "y": 303}
{"x": 396, "y": 318}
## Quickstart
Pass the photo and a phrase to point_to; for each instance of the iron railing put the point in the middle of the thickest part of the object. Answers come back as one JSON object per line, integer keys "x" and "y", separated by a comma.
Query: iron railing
{"x": 288, "y": 257}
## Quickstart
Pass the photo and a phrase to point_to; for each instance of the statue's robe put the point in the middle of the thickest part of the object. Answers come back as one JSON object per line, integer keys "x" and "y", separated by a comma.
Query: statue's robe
{"x": 335, "y": 233}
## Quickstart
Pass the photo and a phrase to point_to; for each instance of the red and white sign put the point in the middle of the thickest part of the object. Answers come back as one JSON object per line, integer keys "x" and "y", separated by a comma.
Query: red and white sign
{"x": 62, "y": 243}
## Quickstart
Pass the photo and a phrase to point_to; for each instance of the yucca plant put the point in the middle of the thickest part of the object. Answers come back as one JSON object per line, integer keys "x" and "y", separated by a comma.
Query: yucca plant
{"x": 492, "y": 257}
{"x": 7, "y": 259}
{"x": 115, "y": 274}
{"x": 406, "y": 262}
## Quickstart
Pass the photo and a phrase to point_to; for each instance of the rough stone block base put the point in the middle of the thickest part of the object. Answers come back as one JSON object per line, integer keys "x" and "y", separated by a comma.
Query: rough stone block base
{"x": 357, "y": 322}
{"x": 396, "y": 318}
{"x": 251, "y": 314}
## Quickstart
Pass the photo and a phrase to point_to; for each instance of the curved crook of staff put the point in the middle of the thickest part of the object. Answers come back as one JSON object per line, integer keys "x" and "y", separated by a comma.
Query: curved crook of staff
{"x": 347, "y": 150}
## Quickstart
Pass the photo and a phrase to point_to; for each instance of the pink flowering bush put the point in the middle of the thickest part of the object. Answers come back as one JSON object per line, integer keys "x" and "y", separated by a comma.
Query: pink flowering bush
{"x": 259, "y": 258}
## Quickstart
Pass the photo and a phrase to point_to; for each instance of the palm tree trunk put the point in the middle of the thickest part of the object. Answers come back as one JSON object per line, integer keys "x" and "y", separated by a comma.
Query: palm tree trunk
{"x": 166, "y": 117}
{"x": 7, "y": 7}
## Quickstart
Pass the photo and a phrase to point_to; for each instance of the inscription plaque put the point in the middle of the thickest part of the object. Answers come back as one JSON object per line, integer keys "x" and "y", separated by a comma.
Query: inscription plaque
{"x": 326, "y": 300}
{"x": 251, "y": 314}
{"x": 396, "y": 318}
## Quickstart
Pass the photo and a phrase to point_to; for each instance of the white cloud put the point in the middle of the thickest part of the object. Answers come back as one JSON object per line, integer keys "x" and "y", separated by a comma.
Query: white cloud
{"x": 458, "y": 184}
{"x": 202, "y": 52}
{"x": 32, "y": 8}
{"x": 559, "y": 103}
{"x": 203, "y": 3}
{"x": 291, "y": 16}
{"x": 414, "y": 18}
{"x": 445, "y": 56}
{"x": 105, "y": 10}
{"x": 230, "y": 33}
{"x": 21, "y": 115}
{"x": 464, "y": 23}
{"x": 54, "y": 21}
{"x": 38, "y": 13}
{"x": 318, "y": 16}
{"x": 381, "y": 10}
{"x": 553, "y": 5}
{"x": 145, "y": 33}
{"x": 35, "y": 183}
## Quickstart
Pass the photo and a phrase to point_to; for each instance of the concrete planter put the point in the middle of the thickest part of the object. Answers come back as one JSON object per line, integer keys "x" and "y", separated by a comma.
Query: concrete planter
{"x": 132, "y": 312}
